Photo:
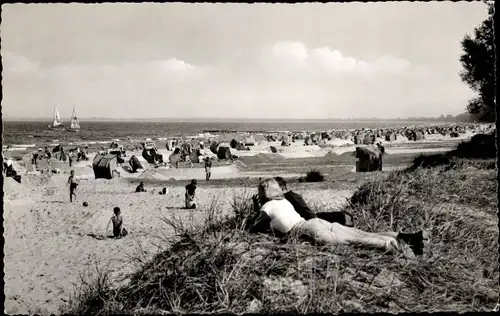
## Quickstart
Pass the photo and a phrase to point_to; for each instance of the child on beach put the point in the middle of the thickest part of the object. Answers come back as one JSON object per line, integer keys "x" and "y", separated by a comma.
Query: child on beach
{"x": 73, "y": 183}
{"x": 190, "y": 193}
{"x": 208, "y": 168}
{"x": 117, "y": 220}
{"x": 140, "y": 188}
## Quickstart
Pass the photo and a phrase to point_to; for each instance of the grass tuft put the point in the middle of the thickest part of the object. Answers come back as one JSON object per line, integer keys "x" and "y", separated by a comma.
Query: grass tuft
{"x": 314, "y": 176}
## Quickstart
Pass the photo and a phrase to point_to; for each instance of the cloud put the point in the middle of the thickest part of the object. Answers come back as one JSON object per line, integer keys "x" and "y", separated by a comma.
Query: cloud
{"x": 149, "y": 70}
{"x": 17, "y": 63}
{"x": 324, "y": 60}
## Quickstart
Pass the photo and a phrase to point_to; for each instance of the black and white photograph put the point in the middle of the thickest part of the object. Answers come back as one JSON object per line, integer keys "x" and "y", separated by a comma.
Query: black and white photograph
{"x": 249, "y": 158}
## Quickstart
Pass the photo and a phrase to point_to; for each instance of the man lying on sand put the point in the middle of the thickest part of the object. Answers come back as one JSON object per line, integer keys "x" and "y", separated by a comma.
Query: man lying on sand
{"x": 279, "y": 215}
{"x": 140, "y": 188}
{"x": 117, "y": 220}
{"x": 190, "y": 193}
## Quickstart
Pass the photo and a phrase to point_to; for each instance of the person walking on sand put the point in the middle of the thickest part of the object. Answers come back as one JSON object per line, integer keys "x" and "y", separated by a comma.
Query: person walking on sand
{"x": 190, "y": 194}
{"x": 73, "y": 184}
{"x": 117, "y": 220}
{"x": 208, "y": 168}
{"x": 279, "y": 215}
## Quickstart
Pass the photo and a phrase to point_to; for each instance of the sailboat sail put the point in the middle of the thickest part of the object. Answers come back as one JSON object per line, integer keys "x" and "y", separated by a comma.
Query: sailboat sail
{"x": 57, "y": 118}
{"x": 74, "y": 121}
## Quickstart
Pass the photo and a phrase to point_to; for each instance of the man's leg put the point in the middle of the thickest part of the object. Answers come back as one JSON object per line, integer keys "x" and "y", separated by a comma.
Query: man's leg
{"x": 335, "y": 233}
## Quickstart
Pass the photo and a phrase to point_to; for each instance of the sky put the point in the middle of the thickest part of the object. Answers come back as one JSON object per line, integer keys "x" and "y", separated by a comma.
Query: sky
{"x": 182, "y": 60}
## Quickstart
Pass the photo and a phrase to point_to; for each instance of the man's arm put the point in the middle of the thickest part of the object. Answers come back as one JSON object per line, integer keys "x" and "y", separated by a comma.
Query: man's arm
{"x": 256, "y": 203}
{"x": 301, "y": 206}
{"x": 261, "y": 224}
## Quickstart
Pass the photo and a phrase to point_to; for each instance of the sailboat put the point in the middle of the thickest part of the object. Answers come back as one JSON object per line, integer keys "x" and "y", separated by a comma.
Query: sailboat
{"x": 57, "y": 124}
{"x": 75, "y": 125}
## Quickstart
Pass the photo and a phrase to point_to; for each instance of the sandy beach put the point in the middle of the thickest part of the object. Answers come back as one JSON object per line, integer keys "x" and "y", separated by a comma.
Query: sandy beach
{"x": 49, "y": 241}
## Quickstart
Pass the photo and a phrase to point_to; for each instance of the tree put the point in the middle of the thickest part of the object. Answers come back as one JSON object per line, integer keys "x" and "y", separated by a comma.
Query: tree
{"x": 478, "y": 62}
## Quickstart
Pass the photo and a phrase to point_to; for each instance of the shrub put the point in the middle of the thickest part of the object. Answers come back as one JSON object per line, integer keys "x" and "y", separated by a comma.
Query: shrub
{"x": 481, "y": 146}
{"x": 314, "y": 176}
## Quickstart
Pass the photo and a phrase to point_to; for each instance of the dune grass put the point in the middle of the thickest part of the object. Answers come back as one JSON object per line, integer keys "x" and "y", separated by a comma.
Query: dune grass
{"x": 219, "y": 267}
{"x": 313, "y": 176}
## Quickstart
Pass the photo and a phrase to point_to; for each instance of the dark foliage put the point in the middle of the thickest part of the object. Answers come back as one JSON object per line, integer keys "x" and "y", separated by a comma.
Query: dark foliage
{"x": 314, "y": 176}
{"x": 481, "y": 146}
{"x": 478, "y": 62}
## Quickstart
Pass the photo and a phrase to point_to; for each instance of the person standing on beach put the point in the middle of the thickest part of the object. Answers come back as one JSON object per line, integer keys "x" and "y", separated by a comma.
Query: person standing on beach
{"x": 381, "y": 148}
{"x": 71, "y": 156}
{"x": 208, "y": 168}
{"x": 190, "y": 194}
{"x": 34, "y": 156}
{"x": 73, "y": 184}
{"x": 47, "y": 153}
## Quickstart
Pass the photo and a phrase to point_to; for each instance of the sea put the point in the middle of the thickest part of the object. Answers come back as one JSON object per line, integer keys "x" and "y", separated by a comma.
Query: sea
{"x": 28, "y": 134}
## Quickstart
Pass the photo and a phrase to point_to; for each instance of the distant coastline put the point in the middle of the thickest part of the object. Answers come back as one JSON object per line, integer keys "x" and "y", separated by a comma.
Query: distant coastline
{"x": 242, "y": 120}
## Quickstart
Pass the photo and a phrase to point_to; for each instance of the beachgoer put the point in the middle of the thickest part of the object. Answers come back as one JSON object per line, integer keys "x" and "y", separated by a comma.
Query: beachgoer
{"x": 102, "y": 151}
{"x": 140, "y": 188}
{"x": 279, "y": 215}
{"x": 190, "y": 194}
{"x": 85, "y": 153}
{"x": 34, "y": 156}
{"x": 208, "y": 168}
{"x": 305, "y": 212}
{"x": 117, "y": 220}
{"x": 48, "y": 154}
{"x": 62, "y": 154}
{"x": 381, "y": 148}
{"x": 73, "y": 184}
{"x": 71, "y": 156}
{"x": 7, "y": 164}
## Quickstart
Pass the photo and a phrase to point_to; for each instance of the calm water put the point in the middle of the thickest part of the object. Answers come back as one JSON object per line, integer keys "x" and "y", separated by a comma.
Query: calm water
{"x": 37, "y": 133}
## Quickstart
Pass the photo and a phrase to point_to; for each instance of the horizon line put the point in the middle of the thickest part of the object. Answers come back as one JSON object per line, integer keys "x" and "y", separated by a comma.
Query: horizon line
{"x": 231, "y": 119}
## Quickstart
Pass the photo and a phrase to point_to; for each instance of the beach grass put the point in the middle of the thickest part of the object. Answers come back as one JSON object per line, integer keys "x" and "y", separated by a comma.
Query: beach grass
{"x": 219, "y": 267}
